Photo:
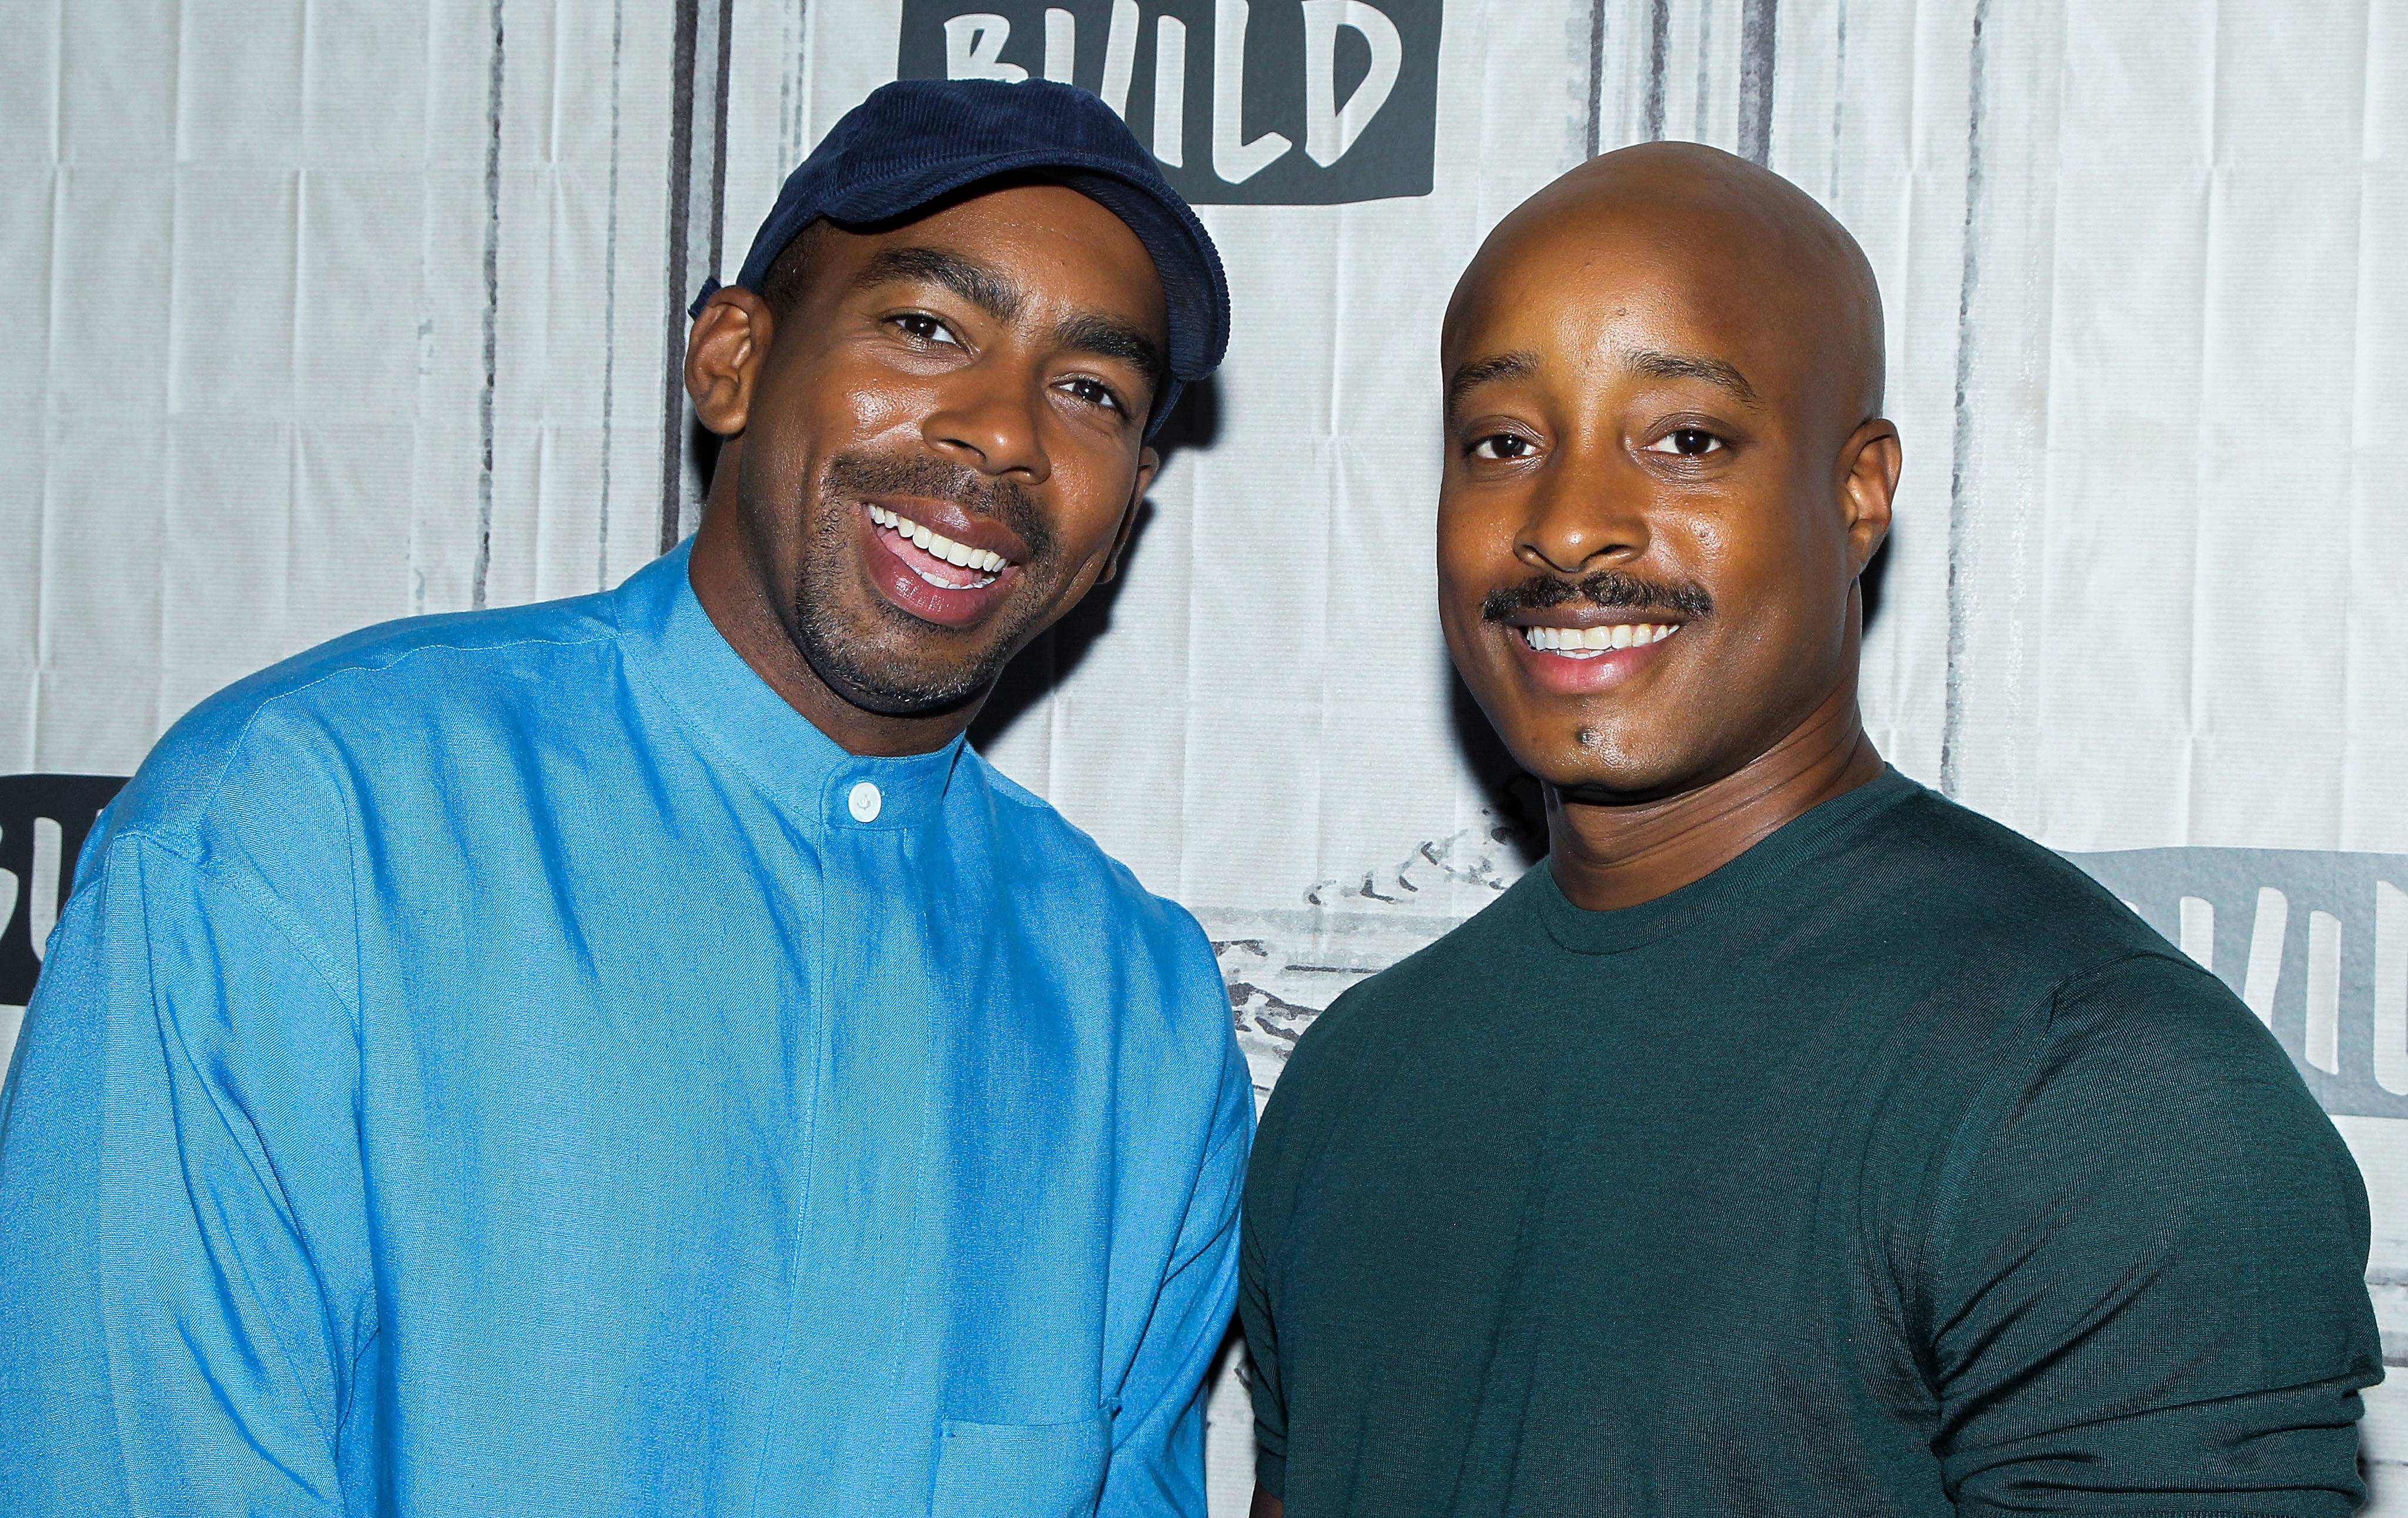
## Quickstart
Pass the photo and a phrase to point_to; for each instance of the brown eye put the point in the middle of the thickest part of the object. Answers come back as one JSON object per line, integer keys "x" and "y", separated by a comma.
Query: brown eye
{"x": 1502, "y": 445}
{"x": 1687, "y": 443}
{"x": 922, "y": 327}
{"x": 1095, "y": 393}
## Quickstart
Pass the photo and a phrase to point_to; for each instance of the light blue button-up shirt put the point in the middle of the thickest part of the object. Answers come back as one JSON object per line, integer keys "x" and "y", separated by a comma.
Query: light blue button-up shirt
{"x": 512, "y": 1064}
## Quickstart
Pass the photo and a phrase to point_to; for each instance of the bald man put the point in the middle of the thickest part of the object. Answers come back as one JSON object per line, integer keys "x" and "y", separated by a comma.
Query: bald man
{"x": 1793, "y": 1141}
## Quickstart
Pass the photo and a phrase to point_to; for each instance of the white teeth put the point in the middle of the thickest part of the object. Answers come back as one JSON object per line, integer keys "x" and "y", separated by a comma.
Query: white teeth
{"x": 937, "y": 545}
{"x": 1584, "y": 642}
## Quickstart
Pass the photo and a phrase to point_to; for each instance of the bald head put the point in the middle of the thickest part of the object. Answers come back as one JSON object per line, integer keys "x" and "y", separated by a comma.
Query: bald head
{"x": 1710, "y": 227}
{"x": 1663, "y": 380}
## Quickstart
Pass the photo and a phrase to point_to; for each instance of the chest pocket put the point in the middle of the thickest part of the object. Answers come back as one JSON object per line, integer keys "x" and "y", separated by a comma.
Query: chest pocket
{"x": 1021, "y": 1470}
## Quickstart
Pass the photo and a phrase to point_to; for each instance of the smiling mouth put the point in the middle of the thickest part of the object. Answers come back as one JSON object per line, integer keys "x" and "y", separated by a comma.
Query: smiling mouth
{"x": 1589, "y": 643}
{"x": 935, "y": 558}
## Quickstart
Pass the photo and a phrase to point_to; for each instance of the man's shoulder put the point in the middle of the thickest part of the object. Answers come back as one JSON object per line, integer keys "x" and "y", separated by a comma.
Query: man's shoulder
{"x": 1988, "y": 939}
{"x": 1141, "y": 965}
{"x": 1072, "y": 874}
{"x": 1392, "y": 1012}
{"x": 1933, "y": 881}
{"x": 266, "y": 744}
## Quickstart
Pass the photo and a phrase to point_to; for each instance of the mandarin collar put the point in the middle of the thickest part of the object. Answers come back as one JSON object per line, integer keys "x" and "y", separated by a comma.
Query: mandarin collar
{"x": 672, "y": 641}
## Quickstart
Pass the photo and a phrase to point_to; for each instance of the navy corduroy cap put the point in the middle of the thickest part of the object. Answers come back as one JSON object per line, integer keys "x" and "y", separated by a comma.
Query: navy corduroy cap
{"x": 916, "y": 141}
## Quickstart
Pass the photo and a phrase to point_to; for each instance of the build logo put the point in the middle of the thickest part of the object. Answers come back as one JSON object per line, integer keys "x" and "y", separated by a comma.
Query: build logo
{"x": 44, "y": 819}
{"x": 2316, "y": 943}
{"x": 1273, "y": 102}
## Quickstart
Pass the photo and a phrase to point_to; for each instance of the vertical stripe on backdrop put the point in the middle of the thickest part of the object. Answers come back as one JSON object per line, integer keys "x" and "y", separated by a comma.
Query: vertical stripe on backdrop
{"x": 609, "y": 299}
{"x": 1595, "y": 75}
{"x": 1838, "y": 98}
{"x": 1699, "y": 130}
{"x": 719, "y": 139}
{"x": 1959, "y": 531}
{"x": 1758, "y": 28}
{"x": 493, "y": 311}
{"x": 698, "y": 187}
{"x": 795, "y": 88}
{"x": 786, "y": 93}
{"x": 802, "y": 77}
{"x": 1659, "y": 48}
{"x": 673, "y": 318}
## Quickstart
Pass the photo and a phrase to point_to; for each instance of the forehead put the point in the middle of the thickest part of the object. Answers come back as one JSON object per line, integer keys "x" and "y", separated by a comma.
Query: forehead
{"x": 1058, "y": 247}
{"x": 1580, "y": 290}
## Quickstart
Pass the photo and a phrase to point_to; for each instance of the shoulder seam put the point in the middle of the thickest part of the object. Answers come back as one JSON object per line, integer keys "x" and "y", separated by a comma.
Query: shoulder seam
{"x": 203, "y": 804}
{"x": 328, "y": 1418}
{"x": 2031, "y": 1046}
{"x": 2074, "y": 979}
{"x": 269, "y": 905}
{"x": 1013, "y": 791}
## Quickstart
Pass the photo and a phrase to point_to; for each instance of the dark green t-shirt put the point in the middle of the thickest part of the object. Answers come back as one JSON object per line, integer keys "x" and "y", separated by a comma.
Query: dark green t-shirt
{"x": 1891, "y": 1166}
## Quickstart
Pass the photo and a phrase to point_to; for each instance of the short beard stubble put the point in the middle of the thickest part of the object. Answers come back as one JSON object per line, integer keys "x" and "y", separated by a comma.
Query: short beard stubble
{"x": 851, "y": 663}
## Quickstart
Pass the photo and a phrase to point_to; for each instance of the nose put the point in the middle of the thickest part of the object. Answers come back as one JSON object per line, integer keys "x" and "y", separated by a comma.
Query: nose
{"x": 1586, "y": 516}
{"x": 989, "y": 419}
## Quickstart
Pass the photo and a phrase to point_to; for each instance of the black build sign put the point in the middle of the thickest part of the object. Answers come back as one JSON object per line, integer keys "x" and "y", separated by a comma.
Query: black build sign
{"x": 1272, "y": 102}
{"x": 44, "y": 819}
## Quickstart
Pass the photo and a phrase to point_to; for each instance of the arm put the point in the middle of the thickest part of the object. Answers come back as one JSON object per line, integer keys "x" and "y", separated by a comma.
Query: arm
{"x": 1157, "y": 1464}
{"x": 181, "y": 1211}
{"x": 1270, "y": 1396}
{"x": 2146, "y": 1273}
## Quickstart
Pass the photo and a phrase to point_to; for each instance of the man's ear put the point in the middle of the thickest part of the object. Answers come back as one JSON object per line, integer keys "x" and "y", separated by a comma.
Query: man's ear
{"x": 724, "y": 357}
{"x": 1148, "y": 461}
{"x": 1868, "y": 481}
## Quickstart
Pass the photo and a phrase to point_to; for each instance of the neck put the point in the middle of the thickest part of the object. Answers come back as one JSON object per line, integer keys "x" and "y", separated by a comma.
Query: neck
{"x": 736, "y": 589}
{"x": 1608, "y": 854}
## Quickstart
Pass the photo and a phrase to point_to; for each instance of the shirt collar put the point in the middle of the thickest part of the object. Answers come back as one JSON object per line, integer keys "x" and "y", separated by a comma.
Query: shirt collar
{"x": 1714, "y": 899}
{"x": 672, "y": 641}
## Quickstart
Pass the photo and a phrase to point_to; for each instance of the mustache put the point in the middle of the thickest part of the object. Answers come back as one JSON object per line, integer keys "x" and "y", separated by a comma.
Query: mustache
{"x": 935, "y": 479}
{"x": 1612, "y": 588}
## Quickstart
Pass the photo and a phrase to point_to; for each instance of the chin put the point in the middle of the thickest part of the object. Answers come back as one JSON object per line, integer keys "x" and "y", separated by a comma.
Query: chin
{"x": 1573, "y": 755}
{"x": 885, "y": 674}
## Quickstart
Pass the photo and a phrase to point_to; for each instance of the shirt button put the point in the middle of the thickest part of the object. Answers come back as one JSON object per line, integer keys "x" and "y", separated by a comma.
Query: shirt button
{"x": 864, "y": 802}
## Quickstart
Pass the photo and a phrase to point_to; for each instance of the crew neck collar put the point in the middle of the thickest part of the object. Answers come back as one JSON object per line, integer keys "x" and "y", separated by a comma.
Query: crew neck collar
{"x": 670, "y": 639}
{"x": 1708, "y": 897}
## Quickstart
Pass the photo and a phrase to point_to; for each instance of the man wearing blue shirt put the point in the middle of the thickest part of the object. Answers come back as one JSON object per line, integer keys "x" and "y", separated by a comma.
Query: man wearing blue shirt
{"x": 628, "y": 1056}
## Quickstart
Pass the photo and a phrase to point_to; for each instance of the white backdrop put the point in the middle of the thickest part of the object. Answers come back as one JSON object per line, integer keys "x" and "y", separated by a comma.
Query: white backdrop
{"x": 323, "y": 312}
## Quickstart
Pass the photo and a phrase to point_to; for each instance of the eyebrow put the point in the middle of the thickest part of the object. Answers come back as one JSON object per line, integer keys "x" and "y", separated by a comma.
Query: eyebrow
{"x": 1108, "y": 337}
{"x": 1470, "y": 376}
{"x": 979, "y": 284}
{"x": 983, "y": 287}
{"x": 1664, "y": 365}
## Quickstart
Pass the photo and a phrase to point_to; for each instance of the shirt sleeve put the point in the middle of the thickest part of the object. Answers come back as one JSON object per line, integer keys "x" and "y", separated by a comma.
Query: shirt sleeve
{"x": 1157, "y": 1464}
{"x": 181, "y": 1214}
{"x": 2148, "y": 1286}
{"x": 1270, "y": 1185}
{"x": 1262, "y": 1360}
